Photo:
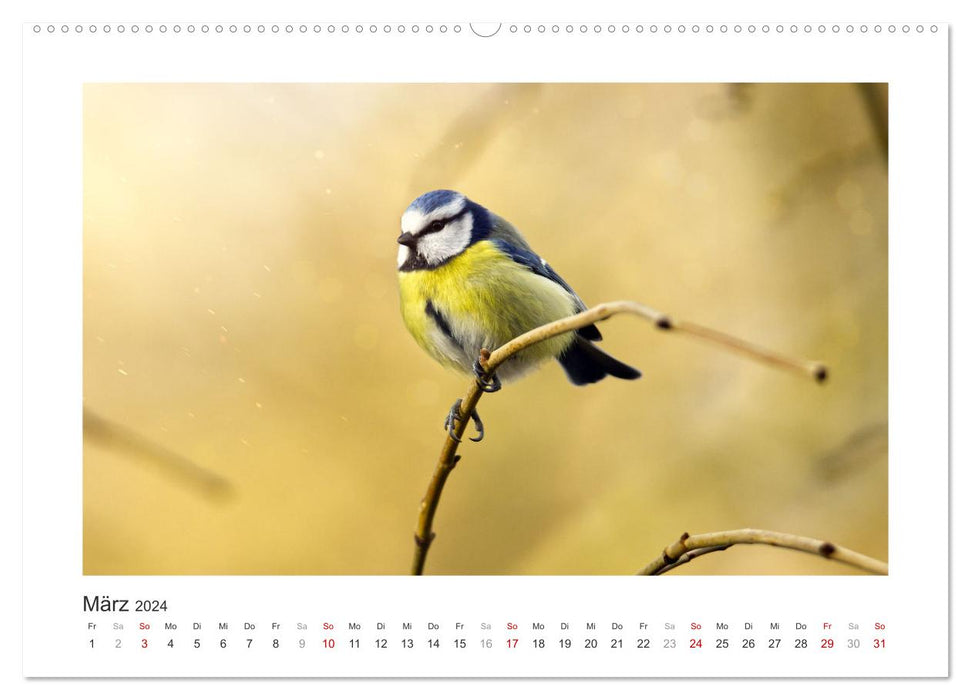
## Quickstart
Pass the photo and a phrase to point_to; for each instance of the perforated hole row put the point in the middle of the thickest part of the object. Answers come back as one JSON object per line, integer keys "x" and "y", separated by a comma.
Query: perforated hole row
{"x": 520, "y": 29}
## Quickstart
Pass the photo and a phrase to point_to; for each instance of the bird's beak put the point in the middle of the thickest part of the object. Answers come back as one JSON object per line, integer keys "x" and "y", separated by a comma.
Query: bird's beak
{"x": 407, "y": 240}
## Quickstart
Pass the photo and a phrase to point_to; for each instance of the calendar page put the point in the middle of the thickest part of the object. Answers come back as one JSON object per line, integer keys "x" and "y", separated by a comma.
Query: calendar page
{"x": 427, "y": 348}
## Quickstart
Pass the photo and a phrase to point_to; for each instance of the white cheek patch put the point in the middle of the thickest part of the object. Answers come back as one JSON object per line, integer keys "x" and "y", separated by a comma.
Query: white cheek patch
{"x": 403, "y": 253}
{"x": 450, "y": 241}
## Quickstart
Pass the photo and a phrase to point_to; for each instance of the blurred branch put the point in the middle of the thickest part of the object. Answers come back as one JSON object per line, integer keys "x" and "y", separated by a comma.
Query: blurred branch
{"x": 824, "y": 171}
{"x": 875, "y": 98}
{"x": 690, "y": 547}
{"x": 491, "y": 361}
{"x": 469, "y": 135}
{"x": 856, "y": 452}
{"x": 730, "y": 101}
{"x": 117, "y": 436}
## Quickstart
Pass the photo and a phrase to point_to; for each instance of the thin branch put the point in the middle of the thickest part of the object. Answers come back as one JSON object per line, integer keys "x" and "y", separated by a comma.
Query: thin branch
{"x": 446, "y": 463}
{"x": 491, "y": 361}
{"x": 875, "y": 99}
{"x": 661, "y": 321}
{"x": 688, "y": 556}
{"x": 690, "y": 547}
{"x": 119, "y": 437}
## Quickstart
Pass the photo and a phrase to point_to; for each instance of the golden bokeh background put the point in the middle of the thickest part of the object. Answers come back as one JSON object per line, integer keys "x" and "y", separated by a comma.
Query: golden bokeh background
{"x": 254, "y": 405}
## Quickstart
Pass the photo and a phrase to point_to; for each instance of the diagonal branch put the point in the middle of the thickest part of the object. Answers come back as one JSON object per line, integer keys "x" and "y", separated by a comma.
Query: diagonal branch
{"x": 686, "y": 557}
{"x": 690, "y": 547}
{"x": 491, "y": 361}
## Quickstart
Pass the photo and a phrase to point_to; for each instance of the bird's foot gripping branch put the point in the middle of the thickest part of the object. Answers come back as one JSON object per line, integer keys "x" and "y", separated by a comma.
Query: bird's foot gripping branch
{"x": 464, "y": 410}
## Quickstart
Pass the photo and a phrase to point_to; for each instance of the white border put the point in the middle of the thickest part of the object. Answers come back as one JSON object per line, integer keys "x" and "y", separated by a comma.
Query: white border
{"x": 56, "y": 66}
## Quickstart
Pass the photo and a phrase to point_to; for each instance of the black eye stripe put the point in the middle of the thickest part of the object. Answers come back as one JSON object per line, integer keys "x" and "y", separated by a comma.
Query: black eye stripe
{"x": 444, "y": 222}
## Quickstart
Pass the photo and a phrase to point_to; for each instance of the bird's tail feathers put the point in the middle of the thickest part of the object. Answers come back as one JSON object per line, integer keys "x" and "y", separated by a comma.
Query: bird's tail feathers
{"x": 585, "y": 363}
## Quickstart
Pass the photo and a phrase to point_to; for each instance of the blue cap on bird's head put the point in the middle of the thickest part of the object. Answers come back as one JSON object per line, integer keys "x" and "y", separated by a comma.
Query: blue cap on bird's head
{"x": 439, "y": 225}
{"x": 436, "y": 199}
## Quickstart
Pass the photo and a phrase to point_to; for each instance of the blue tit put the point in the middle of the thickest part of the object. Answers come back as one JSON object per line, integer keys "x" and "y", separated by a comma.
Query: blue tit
{"x": 469, "y": 280}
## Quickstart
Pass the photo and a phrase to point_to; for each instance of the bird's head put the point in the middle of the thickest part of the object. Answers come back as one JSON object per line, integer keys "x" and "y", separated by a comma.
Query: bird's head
{"x": 438, "y": 226}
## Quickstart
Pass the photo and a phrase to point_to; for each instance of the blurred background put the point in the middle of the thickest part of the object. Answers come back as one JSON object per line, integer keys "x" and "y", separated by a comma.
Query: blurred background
{"x": 254, "y": 405}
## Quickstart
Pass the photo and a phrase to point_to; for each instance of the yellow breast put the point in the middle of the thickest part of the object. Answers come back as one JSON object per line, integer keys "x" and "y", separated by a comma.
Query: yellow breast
{"x": 487, "y": 299}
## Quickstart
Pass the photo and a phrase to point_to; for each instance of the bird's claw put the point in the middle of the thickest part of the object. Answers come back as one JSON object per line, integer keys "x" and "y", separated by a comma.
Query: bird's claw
{"x": 452, "y": 419}
{"x": 478, "y": 426}
{"x": 488, "y": 387}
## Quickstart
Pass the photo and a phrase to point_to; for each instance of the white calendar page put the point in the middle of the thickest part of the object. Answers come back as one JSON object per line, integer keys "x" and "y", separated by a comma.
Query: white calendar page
{"x": 155, "y": 541}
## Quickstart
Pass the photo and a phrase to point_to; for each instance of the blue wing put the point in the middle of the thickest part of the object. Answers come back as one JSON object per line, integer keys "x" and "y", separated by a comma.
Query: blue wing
{"x": 538, "y": 266}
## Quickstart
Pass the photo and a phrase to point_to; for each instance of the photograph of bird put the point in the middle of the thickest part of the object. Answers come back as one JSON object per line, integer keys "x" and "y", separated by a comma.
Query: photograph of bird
{"x": 244, "y": 357}
{"x": 469, "y": 281}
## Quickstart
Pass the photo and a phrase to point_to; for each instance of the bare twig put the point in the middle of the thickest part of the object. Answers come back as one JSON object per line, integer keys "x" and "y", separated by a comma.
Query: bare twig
{"x": 117, "y": 436}
{"x": 491, "y": 361}
{"x": 688, "y": 556}
{"x": 661, "y": 321}
{"x": 875, "y": 97}
{"x": 690, "y": 547}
